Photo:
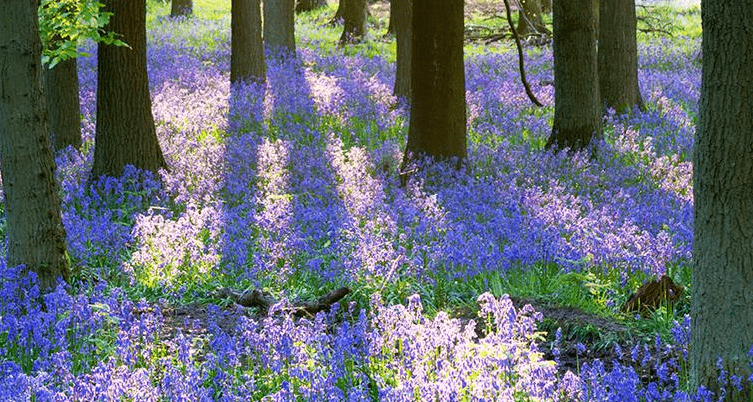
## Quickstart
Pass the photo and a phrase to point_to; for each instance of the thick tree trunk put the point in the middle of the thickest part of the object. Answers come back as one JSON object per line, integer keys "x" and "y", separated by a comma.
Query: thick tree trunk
{"x": 438, "y": 118}
{"x": 34, "y": 233}
{"x": 61, "y": 88}
{"x": 303, "y": 6}
{"x": 247, "y": 49}
{"x": 403, "y": 18}
{"x": 722, "y": 291}
{"x": 354, "y": 26}
{"x": 125, "y": 132}
{"x": 181, "y": 8}
{"x": 279, "y": 25}
{"x": 618, "y": 55}
{"x": 530, "y": 20}
{"x": 577, "y": 110}
{"x": 338, "y": 14}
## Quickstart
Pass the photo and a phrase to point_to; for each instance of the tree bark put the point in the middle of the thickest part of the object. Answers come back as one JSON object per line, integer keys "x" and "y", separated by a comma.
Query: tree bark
{"x": 618, "y": 55}
{"x": 181, "y": 8}
{"x": 722, "y": 291}
{"x": 354, "y": 24}
{"x": 61, "y": 88}
{"x": 530, "y": 20}
{"x": 403, "y": 18}
{"x": 279, "y": 25}
{"x": 35, "y": 232}
{"x": 247, "y": 49}
{"x": 309, "y": 5}
{"x": 577, "y": 117}
{"x": 438, "y": 117}
{"x": 391, "y": 28}
{"x": 125, "y": 132}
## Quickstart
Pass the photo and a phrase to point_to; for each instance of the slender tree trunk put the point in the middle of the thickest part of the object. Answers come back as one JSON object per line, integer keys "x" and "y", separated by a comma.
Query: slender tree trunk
{"x": 403, "y": 18}
{"x": 247, "y": 50}
{"x": 438, "y": 117}
{"x": 34, "y": 233}
{"x": 530, "y": 19}
{"x": 577, "y": 117}
{"x": 391, "y": 29}
{"x": 722, "y": 299}
{"x": 354, "y": 27}
{"x": 180, "y": 8}
{"x": 309, "y": 5}
{"x": 279, "y": 25}
{"x": 618, "y": 55}
{"x": 125, "y": 133}
{"x": 61, "y": 88}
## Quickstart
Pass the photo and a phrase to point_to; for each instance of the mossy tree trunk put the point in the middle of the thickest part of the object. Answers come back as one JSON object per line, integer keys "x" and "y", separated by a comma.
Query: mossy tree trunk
{"x": 438, "y": 116}
{"x": 354, "y": 21}
{"x": 246, "y": 47}
{"x": 61, "y": 89}
{"x": 125, "y": 133}
{"x": 279, "y": 25}
{"x": 577, "y": 111}
{"x": 403, "y": 20}
{"x": 35, "y": 235}
{"x": 618, "y": 55}
{"x": 722, "y": 292}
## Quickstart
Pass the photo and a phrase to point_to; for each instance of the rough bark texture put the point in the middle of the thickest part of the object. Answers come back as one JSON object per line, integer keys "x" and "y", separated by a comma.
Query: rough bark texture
{"x": 309, "y": 5}
{"x": 34, "y": 232}
{"x": 247, "y": 49}
{"x": 403, "y": 18}
{"x": 180, "y": 8}
{"x": 530, "y": 20}
{"x": 438, "y": 117}
{"x": 279, "y": 25}
{"x": 125, "y": 132}
{"x": 61, "y": 89}
{"x": 618, "y": 55}
{"x": 577, "y": 114}
{"x": 354, "y": 21}
{"x": 722, "y": 298}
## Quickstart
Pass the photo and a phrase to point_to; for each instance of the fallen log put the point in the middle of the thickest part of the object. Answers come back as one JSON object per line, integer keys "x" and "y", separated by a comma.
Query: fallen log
{"x": 263, "y": 300}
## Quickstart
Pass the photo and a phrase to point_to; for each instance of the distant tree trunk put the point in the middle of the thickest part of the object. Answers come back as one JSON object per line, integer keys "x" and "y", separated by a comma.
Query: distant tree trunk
{"x": 181, "y": 8}
{"x": 35, "y": 235}
{"x": 61, "y": 87}
{"x": 247, "y": 49}
{"x": 722, "y": 292}
{"x": 391, "y": 29}
{"x": 618, "y": 55}
{"x": 354, "y": 27}
{"x": 438, "y": 118}
{"x": 577, "y": 112}
{"x": 403, "y": 18}
{"x": 125, "y": 133}
{"x": 309, "y": 5}
{"x": 530, "y": 19}
{"x": 546, "y": 6}
{"x": 279, "y": 25}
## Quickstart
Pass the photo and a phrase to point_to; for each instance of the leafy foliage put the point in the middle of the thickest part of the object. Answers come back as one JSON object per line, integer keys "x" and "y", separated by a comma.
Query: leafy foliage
{"x": 64, "y": 24}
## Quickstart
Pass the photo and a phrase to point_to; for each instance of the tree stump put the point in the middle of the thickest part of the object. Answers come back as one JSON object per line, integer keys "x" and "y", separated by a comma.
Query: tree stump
{"x": 653, "y": 294}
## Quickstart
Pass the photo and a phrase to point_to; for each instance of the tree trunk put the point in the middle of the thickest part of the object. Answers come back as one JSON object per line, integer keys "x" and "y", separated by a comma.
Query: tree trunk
{"x": 61, "y": 88}
{"x": 438, "y": 118}
{"x": 618, "y": 55}
{"x": 125, "y": 133}
{"x": 354, "y": 26}
{"x": 279, "y": 25}
{"x": 530, "y": 20}
{"x": 338, "y": 14}
{"x": 403, "y": 18}
{"x": 181, "y": 8}
{"x": 247, "y": 50}
{"x": 722, "y": 291}
{"x": 391, "y": 28}
{"x": 309, "y": 5}
{"x": 577, "y": 114}
{"x": 35, "y": 235}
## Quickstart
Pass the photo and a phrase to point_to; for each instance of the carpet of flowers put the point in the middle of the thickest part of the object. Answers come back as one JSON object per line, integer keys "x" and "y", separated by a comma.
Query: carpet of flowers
{"x": 298, "y": 178}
